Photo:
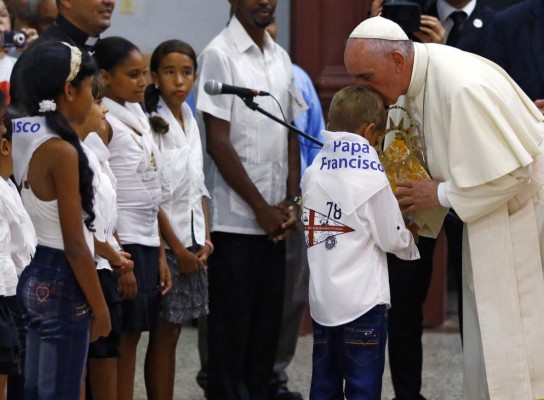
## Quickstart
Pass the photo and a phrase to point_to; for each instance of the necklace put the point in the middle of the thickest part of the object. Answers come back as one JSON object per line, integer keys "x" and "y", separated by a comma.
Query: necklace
{"x": 152, "y": 161}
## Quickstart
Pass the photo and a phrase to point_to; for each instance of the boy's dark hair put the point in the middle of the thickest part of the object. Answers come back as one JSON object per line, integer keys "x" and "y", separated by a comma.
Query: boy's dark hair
{"x": 152, "y": 93}
{"x": 354, "y": 106}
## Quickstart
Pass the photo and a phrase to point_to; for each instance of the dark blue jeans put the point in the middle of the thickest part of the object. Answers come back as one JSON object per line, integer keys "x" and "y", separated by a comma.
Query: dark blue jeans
{"x": 58, "y": 319}
{"x": 353, "y": 353}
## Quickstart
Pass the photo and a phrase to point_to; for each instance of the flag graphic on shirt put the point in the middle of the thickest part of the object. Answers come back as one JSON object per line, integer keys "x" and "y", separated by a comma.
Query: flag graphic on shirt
{"x": 320, "y": 228}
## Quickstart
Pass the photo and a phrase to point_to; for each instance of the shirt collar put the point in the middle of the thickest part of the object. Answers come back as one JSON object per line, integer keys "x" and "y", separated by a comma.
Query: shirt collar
{"x": 241, "y": 38}
{"x": 80, "y": 38}
{"x": 445, "y": 10}
{"x": 418, "y": 70}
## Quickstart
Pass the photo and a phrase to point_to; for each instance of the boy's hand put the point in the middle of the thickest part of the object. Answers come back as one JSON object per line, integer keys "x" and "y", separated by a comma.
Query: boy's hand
{"x": 414, "y": 229}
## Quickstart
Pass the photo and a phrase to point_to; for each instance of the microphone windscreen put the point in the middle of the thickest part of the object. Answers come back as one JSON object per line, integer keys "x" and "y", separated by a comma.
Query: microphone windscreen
{"x": 212, "y": 87}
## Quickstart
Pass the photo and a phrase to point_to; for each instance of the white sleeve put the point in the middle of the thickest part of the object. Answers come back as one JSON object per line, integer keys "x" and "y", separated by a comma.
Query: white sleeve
{"x": 214, "y": 65}
{"x": 475, "y": 202}
{"x": 387, "y": 225}
{"x": 8, "y": 275}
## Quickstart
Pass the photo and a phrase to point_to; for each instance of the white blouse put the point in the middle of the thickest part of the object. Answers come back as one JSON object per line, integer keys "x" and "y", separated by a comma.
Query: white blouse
{"x": 17, "y": 238}
{"x": 134, "y": 160}
{"x": 182, "y": 175}
{"x": 105, "y": 200}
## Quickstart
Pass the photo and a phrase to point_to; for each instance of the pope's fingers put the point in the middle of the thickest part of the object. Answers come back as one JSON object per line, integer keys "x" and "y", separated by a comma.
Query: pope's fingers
{"x": 405, "y": 183}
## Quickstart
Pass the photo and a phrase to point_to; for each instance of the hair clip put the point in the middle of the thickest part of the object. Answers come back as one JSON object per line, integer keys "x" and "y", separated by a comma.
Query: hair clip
{"x": 47, "y": 106}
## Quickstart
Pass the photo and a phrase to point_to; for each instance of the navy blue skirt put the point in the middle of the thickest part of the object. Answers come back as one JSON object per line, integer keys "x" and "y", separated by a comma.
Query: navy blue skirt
{"x": 141, "y": 314}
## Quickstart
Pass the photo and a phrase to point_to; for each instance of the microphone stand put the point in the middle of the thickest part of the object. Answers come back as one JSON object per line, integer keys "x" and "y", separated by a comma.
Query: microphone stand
{"x": 248, "y": 100}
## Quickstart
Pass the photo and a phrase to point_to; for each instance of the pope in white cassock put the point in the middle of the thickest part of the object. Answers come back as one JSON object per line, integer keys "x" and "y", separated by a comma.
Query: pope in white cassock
{"x": 483, "y": 142}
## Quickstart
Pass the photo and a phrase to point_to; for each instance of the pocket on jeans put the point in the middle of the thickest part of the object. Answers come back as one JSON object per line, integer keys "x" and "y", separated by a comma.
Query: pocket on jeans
{"x": 320, "y": 343}
{"x": 362, "y": 340}
{"x": 42, "y": 297}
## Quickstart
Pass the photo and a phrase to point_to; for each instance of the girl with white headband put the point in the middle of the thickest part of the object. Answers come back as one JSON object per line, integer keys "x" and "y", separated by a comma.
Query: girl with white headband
{"x": 59, "y": 291}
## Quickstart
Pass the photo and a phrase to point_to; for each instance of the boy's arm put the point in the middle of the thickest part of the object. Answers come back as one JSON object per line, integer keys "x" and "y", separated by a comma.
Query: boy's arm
{"x": 387, "y": 225}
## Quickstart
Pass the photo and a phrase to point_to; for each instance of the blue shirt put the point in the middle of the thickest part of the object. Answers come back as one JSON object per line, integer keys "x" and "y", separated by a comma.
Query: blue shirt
{"x": 311, "y": 121}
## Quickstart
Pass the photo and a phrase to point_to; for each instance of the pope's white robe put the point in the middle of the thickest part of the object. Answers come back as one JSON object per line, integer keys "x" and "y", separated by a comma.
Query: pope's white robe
{"x": 483, "y": 137}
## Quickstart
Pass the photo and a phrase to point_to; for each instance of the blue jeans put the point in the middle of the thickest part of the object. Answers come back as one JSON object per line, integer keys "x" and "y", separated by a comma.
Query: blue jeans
{"x": 58, "y": 319}
{"x": 354, "y": 353}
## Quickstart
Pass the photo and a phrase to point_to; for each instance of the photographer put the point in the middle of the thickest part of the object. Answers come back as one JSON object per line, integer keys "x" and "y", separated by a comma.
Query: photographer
{"x": 8, "y": 51}
{"x": 430, "y": 30}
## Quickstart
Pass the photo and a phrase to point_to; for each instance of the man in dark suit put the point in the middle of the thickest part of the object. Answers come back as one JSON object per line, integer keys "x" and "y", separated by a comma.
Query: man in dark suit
{"x": 515, "y": 41}
{"x": 468, "y": 33}
{"x": 409, "y": 280}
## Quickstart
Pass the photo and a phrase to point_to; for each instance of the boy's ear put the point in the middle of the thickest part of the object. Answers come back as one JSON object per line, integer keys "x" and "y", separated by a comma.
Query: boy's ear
{"x": 365, "y": 130}
{"x": 328, "y": 126}
{"x": 368, "y": 130}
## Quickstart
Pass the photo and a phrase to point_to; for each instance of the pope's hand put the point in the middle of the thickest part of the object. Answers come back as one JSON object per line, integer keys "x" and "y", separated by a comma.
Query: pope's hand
{"x": 417, "y": 195}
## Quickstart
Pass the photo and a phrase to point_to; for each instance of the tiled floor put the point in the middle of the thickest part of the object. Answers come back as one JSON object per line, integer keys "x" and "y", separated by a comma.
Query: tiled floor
{"x": 442, "y": 375}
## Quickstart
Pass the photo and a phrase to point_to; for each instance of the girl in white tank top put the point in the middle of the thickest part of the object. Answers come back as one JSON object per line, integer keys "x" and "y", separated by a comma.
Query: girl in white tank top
{"x": 59, "y": 291}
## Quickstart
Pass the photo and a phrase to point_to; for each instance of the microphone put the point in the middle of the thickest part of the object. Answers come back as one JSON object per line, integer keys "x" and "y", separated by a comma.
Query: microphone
{"x": 213, "y": 87}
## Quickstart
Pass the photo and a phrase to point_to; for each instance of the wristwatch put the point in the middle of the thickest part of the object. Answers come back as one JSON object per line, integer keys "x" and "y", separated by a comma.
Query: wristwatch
{"x": 295, "y": 199}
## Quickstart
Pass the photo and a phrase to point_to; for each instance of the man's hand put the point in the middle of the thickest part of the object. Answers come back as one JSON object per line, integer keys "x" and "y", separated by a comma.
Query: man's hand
{"x": 417, "y": 195}
{"x": 290, "y": 210}
{"x": 271, "y": 219}
{"x": 431, "y": 30}
{"x": 540, "y": 104}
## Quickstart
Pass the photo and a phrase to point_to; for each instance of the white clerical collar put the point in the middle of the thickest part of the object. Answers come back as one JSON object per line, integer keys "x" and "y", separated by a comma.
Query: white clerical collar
{"x": 91, "y": 41}
{"x": 417, "y": 80}
{"x": 444, "y": 9}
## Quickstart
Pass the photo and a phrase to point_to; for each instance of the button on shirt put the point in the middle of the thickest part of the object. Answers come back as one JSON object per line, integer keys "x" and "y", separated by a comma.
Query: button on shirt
{"x": 233, "y": 58}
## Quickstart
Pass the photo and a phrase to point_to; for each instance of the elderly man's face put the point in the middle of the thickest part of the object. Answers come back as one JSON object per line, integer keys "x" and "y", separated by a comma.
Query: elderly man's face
{"x": 378, "y": 72}
{"x": 91, "y": 16}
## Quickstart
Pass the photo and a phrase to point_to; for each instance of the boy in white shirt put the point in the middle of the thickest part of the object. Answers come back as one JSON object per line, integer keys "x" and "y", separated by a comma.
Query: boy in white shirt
{"x": 351, "y": 219}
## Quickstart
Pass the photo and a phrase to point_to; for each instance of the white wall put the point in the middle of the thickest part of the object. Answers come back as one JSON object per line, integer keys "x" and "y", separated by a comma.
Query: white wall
{"x": 194, "y": 21}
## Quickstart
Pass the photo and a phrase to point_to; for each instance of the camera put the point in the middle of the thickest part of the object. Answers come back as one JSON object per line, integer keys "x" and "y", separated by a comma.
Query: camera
{"x": 12, "y": 39}
{"x": 406, "y": 13}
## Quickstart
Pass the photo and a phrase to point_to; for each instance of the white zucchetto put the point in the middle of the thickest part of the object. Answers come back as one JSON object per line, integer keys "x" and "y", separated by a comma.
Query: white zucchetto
{"x": 378, "y": 28}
